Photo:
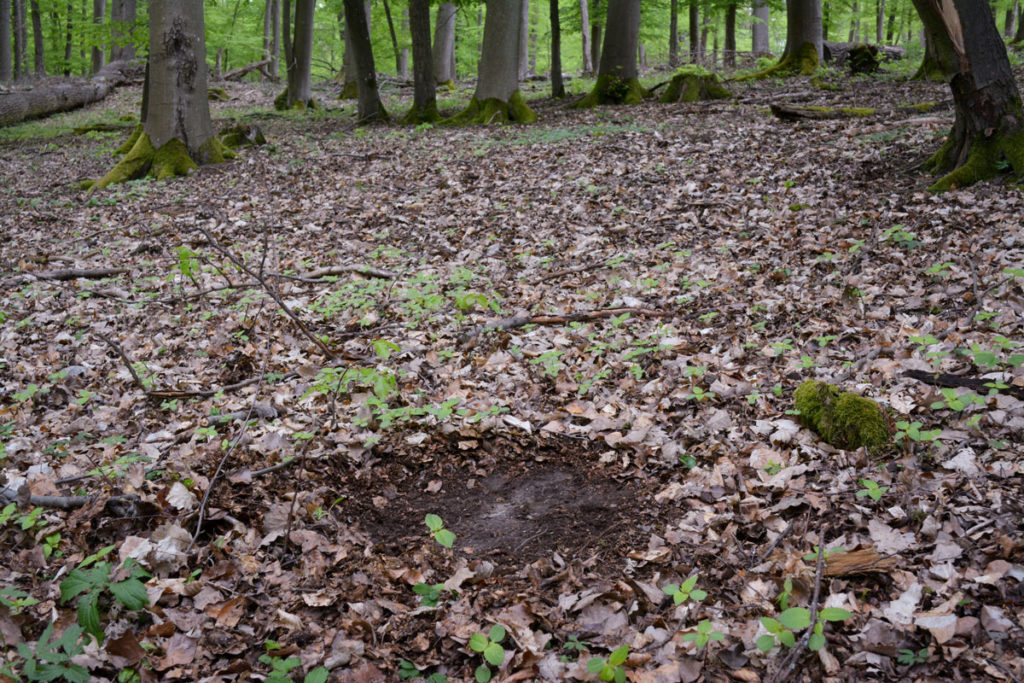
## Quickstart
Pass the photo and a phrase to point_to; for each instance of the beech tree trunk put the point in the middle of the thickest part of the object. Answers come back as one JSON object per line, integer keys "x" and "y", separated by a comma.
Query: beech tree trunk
{"x": 588, "y": 62}
{"x": 20, "y": 39}
{"x": 300, "y": 63}
{"x": 673, "y": 33}
{"x": 988, "y": 131}
{"x": 424, "y": 106}
{"x": 5, "y": 42}
{"x": 38, "y": 50}
{"x": 879, "y": 21}
{"x": 761, "y": 43}
{"x": 595, "y": 43}
{"x": 394, "y": 38}
{"x": 524, "y": 40}
{"x": 369, "y": 107}
{"x": 617, "y": 74}
{"x": 557, "y": 86}
{"x": 694, "y": 31}
{"x": 444, "y": 44}
{"x": 930, "y": 69}
{"x": 729, "y": 58}
{"x": 98, "y": 9}
{"x": 122, "y": 17}
{"x": 803, "y": 35}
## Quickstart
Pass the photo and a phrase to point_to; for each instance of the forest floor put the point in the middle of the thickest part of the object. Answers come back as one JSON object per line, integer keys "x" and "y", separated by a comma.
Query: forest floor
{"x": 575, "y": 342}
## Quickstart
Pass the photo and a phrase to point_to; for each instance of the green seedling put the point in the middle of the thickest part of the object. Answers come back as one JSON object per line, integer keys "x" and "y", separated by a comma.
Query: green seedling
{"x": 703, "y": 635}
{"x": 871, "y": 489}
{"x": 913, "y": 431}
{"x": 92, "y": 579}
{"x": 812, "y": 556}
{"x": 610, "y": 669}
{"x": 490, "y": 647}
{"x": 51, "y": 659}
{"x": 16, "y": 600}
{"x": 438, "y": 532}
{"x": 430, "y": 593}
{"x": 796, "y": 619}
{"x": 911, "y": 657}
{"x": 685, "y": 591}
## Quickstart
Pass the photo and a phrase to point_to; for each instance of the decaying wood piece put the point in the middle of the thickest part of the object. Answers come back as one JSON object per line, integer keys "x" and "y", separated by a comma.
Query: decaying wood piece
{"x": 791, "y": 112}
{"x": 67, "y": 275}
{"x": 944, "y": 379}
{"x": 236, "y": 74}
{"x": 469, "y": 339}
{"x": 22, "y": 105}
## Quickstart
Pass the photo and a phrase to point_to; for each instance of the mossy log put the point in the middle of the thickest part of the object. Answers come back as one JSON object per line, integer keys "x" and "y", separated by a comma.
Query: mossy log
{"x": 494, "y": 110}
{"x": 172, "y": 159}
{"x": 841, "y": 418}
{"x": 242, "y": 135}
{"x": 692, "y": 87}
{"x": 788, "y": 112}
{"x": 613, "y": 90}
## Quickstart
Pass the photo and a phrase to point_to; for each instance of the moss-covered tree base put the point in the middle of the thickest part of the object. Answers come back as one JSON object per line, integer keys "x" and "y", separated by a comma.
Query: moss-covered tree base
{"x": 217, "y": 95}
{"x": 928, "y": 71}
{"x": 242, "y": 135}
{"x": 349, "y": 91}
{"x": 841, "y": 418}
{"x": 130, "y": 142}
{"x": 281, "y": 103}
{"x": 613, "y": 90}
{"x": 986, "y": 157}
{"x": 694, "y": 87}
{"x": 494, "y": 110}
{"x": 172, "y": 159}
{"x": 802, "y": 62}
{"x": 450, "y": 85}
{"x": 417, "y": 115}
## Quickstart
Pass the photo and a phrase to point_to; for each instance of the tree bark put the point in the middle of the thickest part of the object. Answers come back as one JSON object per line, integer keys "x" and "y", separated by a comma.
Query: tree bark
{"x": 369, "y": 107}
{"x": 98, "y": 8}
{"x": 761, "y": 44}
{"x": 588, "y": 62}
{"x": 497, "y": 98}
{"x": 38, "y": 50}
{"x": 1019, "y": 37}
{"x": 394, "y": 38}
{"x": 424, "y": 105}
{"x": 299, "y": 65}
{"x": 595, "y": 43}
{"x": 988, "y": 131}
{"x": 730, "y": 35}
{"x": 444, "y": 44}
{"x": 1011, "y": 15}
{"x": 930, "y": 69}
{"x": 890, "y": 26}
{"x": 69, "y": 37}
{"x": 557, "y": 86}
{"x": 879, "y": 21}
{"x": 803, "y": 36}
{"x": 524, "y": 40}
{"x": 122, "y": 21}
{"x": 694, "y": 31}
{"x": 617, "y": 75}
{"x": 5, "y": 42}
{"x": 22, "y": 105}
{"x": 20, "y": 40}
{"x": 673, "y": 33}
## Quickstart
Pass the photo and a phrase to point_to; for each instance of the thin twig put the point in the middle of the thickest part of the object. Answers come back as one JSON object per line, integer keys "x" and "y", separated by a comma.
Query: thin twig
{"x": 778, "y": 539}
{"x": 789, "y": 664}
{"x": 522, "y": 320}
{"x": 124, "y": 357}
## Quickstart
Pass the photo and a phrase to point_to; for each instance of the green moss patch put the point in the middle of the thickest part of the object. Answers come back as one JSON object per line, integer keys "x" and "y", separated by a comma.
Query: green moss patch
{"x": 693, "y": 87}
{"x": 841, "y": 418}
{"x": 493, "y": 110}
{"x": 613, "y": 90}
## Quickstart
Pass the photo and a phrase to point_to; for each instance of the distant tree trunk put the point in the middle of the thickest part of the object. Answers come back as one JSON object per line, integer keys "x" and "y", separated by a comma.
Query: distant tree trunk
{"x": 879, "y": 21}
{"x": 989, "y": 128}
{"x": 275, "y": 41}
{"x": 673, "y": 33}
{"x": 403, "y": 61}
{"x": 38, "y": 50}
{"x": 694, "y": 30}
{"x": 369, "y": 107}
{"x": 68, "y": 38}
{"x": 595, "y": 43}
{"x": 531, "y": 62}
{"x": 524, "y": 40}
{"x": 588, "y": 63}
{"x": 854, "y": 23}
{"x": 299, "y": 64}
{"x": 268, "y": 29}
{"x": 286, "y": 33}
{"x": 705, "y": 25}
{"x": 1019, "y": 37}
{"x": 497, "y": 98}
{"x": 5, "y": 42}
{"x": 890, "y": 26}
{"x": 424, "y": 105}
{"x": 177, "y": 134}
{"x": 20, "y": 38}
{"x": 557, "y": 86}
{"x": 123, "y": 14}
{"x": 760, "y": 42}
{"x": 98, "y": 8}
{"x": 730, "y": 35}
{"x": 444, "y": 44}
{"x": 394, "y": 37}
{"x": 617, "y": 75}
{"x": 826, "y": 21}
{"x": 930, "y": 69}
{"x": 1011, "y": 15}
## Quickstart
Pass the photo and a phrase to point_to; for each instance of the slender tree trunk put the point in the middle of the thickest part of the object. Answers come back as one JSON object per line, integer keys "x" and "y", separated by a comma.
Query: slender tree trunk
{"x": 1011, "y": 15}
{"x": 989, "y": 128}
{"x": 595, "y": 43}
{"x": 38, "y": 50}
{"x": 854, "y": 23}
{"x": 275, "y": 41}
{"x": 444, "y": 44}
{"x": 299, "y": 66}
{"x": 5, "y": 42}
{"x": 890, "y": 25}
{"x": 879, "y": 22}
{"x": 531, "y": 62}
{"x": 705, "y": 25}
{"x": 98, "y": 9}
{"x": 730, "y": 35}
{"x": 524, "y": 40}
{"x": 760, "y": 42}
{"x": 123, "y": 47}
{"x": 286, "y": 34}
{"x": 588, "y": 63}
{"x": 424, "y": 107}
{"x": 1019, "y": 37}
{"x": 557, "y": 86}
{"x": 394, "y": 38}
{"x": 826, "y": 20}
{"x": 20, "y": 38}
{"x": 403, "y": 61}
{"x": 694, "y": 30}
{"x": 673, "y": 33}
{"x": 369, "y": 107}
{"x": 68, "y": 38}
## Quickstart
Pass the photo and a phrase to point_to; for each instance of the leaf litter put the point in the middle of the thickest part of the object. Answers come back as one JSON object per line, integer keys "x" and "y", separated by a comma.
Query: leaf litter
{"x": 576, "y": 343}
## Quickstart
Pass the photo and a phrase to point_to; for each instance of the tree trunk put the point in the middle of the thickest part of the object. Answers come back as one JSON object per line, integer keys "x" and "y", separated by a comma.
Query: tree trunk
{"x": 124, "y": 13}
{"x": 394, "y": 38}
{"x": 854, "y": 23}
{"x": 177, "y": 132}
{"x": 879, "y": 21}
{"x": 497, "y": 98}
{"x": 424, "y": 106}
{"x": 761, "y": 44}
{"x": 930, "y": 69}
{"x": 826, "y": 22}
{"x": 444, "y": 44}
{"x": 1019, "y": 37}
{"x": 803, "y": 36}
{"x": 557, "y": 86}
{"x": 1011, "y": 14}
{"x": 369, "y": 107}
{"x": 5, "y": 42}
{"x": 890, "y": 26}
{"x": 730, "y": 35}
{"x": 20, "y": 38}
{"x": 595, "y": 43}
{"x": 22, "y": 105}
{"x": 588, "y": 63}
{"x": 38, "y": 51}
{"x": 268, "y": 28}
{"x": 524, "y": 40}
{"x": 988, "y": 132}
{"x": 98, "y": 8}
{"x": 298, "y": 94}
{"x": 617, "y": 75}
{"x": 68, "y": 38}
{"x": 694, "y": 30}
{"x": 705, "y": 24}
{"x": 286, "y": 33}
{"x": 673, "y": 33}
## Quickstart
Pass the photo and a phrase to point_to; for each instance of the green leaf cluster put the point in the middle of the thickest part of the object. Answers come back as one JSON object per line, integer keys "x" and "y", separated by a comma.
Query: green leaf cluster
{"x": 92, "y": 578}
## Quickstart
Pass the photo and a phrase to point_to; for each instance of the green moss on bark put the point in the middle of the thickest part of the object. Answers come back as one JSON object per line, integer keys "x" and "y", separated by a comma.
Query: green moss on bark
{"x": 281, "y": 103}
{"x": 693, "y": 87}
{"x": 349, "y": 91}
{"x": 929, "y": 71}
{"x": 134, "y": 165}
{"x": 987, "y": 158}
{"x": 217, "y": 95}
{"x": 130, "y": 142}
{"x": 841, "y": 418}
{"x": 493, "y": 110}
{"x": 803, "y": 61}
{"x": 417, "y": 115}
{"x": 613, "y": 90}
{"x": 171, "y": 160}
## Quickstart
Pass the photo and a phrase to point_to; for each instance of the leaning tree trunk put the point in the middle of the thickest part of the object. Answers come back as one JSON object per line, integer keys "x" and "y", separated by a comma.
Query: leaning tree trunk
{"x": 177, "y": 134}
{"x": 21, "y": 105}
{"x": 759, "y": 32}
{"x": 394, "y": 39}
{"x": 497, "y": 98}
{"x": 424, "y": 99}
{"x": 444, "y": 45}
{"x": 617, "y": 81}
{"x": 988, "y": 132}
{"x": 369, "y": 106}
{"x": 588, "y": 63}
{"x": 298, "y": 95}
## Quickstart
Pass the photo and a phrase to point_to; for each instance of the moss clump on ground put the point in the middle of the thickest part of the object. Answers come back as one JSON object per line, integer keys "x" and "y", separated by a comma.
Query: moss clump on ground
{"x": 693, "y": 87}
{"x": 613, "y": 90}
{"x": 843, "y": 419}
{"x": 242, "y": 135}
{"x": 493, "y": 110}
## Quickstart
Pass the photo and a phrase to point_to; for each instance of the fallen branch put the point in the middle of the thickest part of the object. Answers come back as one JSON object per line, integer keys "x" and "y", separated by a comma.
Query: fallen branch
{"x": 567, "y": 271}
{"x": 514, "y": 322}
{"x": 236, "y": 74}
{"x": 70, "y": 274}
{"x": 330, "y": 271}
{"x": 61, "y": 502}
{"x": 945, "y": 379}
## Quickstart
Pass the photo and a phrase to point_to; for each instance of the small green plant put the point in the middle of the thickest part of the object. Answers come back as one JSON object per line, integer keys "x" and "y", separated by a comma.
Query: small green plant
{"x": 772, "y": 468}
{"x": 953, "y": 401}
{"x": 437, "y": 531}
{"x": 51, "y": 658}
{"x": 813, "y": 555}
{"x": 685, "y": 591}
{"x": 687, "y": 461}
{"x": 703, "y": 635}
{"x": 911, "y": 657}
{"x": 610, "y": 669}
{"x": 490, "y": 647}
{"x": 913, "y": 431}
{"x": 700, "y": 395}
{"x": 16, "y": 600}
{"x": 901, "y": 237}
{"x": 871, "y": 490}
{"x": 796, "y": 619}
{"x": 92, "y": 579}
{"x": 281, "y": 667}
{"x": 430, "y": 593}
{"x": 573, "y": 645}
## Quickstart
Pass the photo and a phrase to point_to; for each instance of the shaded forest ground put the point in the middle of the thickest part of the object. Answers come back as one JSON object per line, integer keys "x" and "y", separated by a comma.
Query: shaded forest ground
{"x": 659, "y": 278}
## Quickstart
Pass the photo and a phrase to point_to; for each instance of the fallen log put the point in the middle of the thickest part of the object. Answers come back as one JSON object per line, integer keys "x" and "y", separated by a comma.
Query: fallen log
{"x": 236, "y": 74}
{"x": 790, "y": 112}
{"x": 839, "y": 53}
{"x": 21, "y": 105}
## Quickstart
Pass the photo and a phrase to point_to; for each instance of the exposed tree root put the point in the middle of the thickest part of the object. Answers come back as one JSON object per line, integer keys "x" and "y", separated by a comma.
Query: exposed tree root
{"x": 802, "y": 62}
{"x": 966, "y": 162}
{"x": 494, "y": 110}
{"x": 613, "y": 90}
{"x": 173, "y": 159}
